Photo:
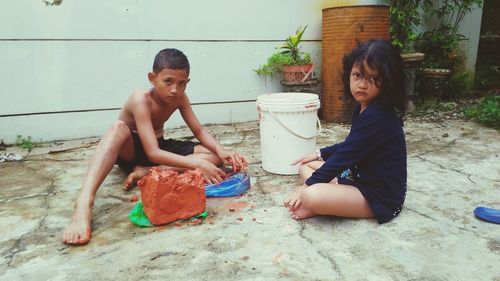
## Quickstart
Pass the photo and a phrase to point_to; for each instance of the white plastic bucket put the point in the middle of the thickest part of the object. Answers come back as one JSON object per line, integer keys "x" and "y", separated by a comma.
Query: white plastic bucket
{"x": 289, "y": 125}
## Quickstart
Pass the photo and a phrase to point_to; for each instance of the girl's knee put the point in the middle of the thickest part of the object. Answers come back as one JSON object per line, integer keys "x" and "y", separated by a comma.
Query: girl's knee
{"x": 309, "y": 196}
{"x": 305, "y": 171}
{"x": 303, "y": 168}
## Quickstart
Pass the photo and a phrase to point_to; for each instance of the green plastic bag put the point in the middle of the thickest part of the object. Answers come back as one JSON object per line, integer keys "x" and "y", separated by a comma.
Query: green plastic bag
{"x": 138, "y": 217}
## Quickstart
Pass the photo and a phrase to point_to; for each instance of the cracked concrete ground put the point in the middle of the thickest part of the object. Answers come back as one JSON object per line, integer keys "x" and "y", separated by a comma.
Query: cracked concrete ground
{"x": 453, "y": 167}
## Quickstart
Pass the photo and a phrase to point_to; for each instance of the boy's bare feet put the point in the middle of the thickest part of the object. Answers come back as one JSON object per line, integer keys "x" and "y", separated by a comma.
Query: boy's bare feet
{"x": 78, "y": 231}
{"x": 301, "y": 213}
{"x": 132, "y": 178}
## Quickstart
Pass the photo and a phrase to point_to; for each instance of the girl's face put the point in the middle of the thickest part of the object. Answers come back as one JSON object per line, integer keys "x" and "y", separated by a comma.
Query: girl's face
{"x": 364, "y": 84}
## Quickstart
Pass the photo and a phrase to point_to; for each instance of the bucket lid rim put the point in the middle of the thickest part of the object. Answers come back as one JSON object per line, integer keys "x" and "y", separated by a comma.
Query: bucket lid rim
{"x": 288, "y": 98}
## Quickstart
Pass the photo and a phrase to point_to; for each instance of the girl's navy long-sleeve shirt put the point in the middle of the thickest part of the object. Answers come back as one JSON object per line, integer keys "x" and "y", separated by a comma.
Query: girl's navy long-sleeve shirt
{"x": 374, "y": 154}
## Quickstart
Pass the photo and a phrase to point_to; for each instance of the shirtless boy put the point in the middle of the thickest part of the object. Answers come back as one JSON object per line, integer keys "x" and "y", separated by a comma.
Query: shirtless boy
{"x": 135, "y": 141}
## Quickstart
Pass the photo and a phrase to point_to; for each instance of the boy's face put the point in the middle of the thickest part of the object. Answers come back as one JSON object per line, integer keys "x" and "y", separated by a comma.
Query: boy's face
{"x": 364, "y": 84}
{"x": 169, "y": 83}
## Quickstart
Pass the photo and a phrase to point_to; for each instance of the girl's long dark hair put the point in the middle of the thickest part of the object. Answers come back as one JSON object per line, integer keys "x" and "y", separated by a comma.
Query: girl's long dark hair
{"x": 381, "y": 55}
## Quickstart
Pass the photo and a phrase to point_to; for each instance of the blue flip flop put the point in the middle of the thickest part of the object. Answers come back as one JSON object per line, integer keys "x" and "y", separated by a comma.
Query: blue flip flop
{"x": 488, "y": 214}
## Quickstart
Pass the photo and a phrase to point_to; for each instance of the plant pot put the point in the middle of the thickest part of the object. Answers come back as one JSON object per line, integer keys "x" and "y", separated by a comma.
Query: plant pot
{"x": 297, "y": 73}
{"x": 411, "y": 61}
{"x": 309, "y": 86}
{"x": 435, "y": 83}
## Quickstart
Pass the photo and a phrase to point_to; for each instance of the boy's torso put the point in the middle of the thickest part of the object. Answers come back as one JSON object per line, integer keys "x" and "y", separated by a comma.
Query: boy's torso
{"x": 160, "y": 112}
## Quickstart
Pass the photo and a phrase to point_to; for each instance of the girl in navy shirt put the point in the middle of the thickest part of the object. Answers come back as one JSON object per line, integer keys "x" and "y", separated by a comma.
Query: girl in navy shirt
{"x": 365, "y": 175}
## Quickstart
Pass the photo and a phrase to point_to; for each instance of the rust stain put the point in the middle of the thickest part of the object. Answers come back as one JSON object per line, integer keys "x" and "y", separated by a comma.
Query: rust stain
{"x": 236, "y": 206}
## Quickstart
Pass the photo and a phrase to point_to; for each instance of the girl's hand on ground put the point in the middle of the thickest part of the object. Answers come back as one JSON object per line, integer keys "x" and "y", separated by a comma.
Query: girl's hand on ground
{"x": 306, "y": 159}
{"x": 211, "y": 174}
{"x": 235, "y": 159}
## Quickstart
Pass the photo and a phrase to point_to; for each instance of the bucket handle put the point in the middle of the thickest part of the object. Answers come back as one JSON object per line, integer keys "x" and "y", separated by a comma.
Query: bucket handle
{"x": 294, "y": 133}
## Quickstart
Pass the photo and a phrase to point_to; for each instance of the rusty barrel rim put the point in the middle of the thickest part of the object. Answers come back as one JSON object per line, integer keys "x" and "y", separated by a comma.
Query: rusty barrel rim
{"x": 327, "y": 4}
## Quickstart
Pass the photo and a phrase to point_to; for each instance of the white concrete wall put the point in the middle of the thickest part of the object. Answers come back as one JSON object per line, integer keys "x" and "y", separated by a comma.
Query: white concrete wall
{"x": 66, "y": 69}
{"x": 471, "y": 28}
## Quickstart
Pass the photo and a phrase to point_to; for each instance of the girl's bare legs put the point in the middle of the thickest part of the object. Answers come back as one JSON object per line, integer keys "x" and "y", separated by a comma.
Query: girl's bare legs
{"x": 328, "y": 198}
{"x": 332, "y": 199}
{"x": 117, "y": 141}
{"x": 140, "y": 171}
{"x": 305, "y": 171}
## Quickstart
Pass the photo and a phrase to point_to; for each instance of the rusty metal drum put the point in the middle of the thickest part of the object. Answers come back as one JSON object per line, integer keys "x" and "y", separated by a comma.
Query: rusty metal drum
{"x": 346, "y": 23}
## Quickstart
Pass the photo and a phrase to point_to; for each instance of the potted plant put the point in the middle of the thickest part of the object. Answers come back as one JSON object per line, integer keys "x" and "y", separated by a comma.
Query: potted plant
{"x": 295, "y": 65}
{"x": 404, "y": 18}
{"x": 442, "y": 44}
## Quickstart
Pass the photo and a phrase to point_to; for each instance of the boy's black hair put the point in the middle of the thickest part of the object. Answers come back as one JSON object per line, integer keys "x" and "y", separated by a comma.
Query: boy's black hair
{"x": 170, "y": 58}
{"x": 381, "y": 55}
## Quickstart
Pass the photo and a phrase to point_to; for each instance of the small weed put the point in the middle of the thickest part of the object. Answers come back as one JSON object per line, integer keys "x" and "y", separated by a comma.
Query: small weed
{"x": 487, "y": 111}
{"x": 25, "y": 143}
{"x": 487, "y": 77}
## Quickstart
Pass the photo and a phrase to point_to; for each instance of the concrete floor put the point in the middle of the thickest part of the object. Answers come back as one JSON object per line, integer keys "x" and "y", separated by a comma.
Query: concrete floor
{"x": 453, "y": 167}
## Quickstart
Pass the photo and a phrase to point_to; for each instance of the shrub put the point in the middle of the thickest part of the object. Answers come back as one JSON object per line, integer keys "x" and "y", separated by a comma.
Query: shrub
{"x": 487, "y": 76}
{"x": 487, "y": 111}
{"x": 461, "y": 84}
{"x": 404, "y": 16}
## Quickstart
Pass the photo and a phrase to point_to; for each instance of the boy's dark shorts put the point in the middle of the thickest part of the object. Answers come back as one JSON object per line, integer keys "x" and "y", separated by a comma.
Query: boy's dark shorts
{"x": 175, "y": 146}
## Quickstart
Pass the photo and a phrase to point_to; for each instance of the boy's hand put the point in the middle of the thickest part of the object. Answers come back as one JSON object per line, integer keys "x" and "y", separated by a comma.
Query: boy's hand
{"x": 211, "y": 174}
{"x": 234, "y": 159}
{"x": 306, "y": 159}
